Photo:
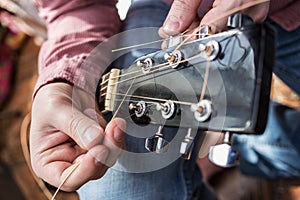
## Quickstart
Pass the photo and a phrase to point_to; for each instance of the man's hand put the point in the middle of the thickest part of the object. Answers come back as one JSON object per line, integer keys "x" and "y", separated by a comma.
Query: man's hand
{"x": 65, "y": 130}
{"x": 183, "y": 14}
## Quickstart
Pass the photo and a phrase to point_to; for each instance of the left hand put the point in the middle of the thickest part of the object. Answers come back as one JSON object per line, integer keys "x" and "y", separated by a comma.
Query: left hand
{"x": 183, "y": 14}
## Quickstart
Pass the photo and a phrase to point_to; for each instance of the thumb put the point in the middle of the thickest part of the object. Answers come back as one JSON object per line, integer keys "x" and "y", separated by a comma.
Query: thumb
{"x": 181, "y": 16}
{"x": 84, "y": 130}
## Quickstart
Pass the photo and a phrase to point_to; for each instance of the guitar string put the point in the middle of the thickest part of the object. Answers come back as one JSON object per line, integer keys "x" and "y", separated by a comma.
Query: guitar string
{"x": 205, "y": 80}
{"x": 244, "y": 6}
{"x": 167, "y": 66}
{"x": 137, "y": 45}
{"x": 152, "y": 42}
{"x": 65, "y": 179}
{"x": 152, "y": 98}
{"x": 123, "y": 99}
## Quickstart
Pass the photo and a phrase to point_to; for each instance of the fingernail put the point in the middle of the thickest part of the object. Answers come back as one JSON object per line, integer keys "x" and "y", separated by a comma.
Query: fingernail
{"x": 100, "y": 157}
{"x": 172, "y": 25}
{"x": 119, "y": 131}
{"x": 89, "y": 138}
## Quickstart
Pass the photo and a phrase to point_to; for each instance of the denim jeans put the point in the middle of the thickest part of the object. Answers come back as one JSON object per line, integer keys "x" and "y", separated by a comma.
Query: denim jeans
{"x": 138, "y": 174}
{"x": 276, "y": 153}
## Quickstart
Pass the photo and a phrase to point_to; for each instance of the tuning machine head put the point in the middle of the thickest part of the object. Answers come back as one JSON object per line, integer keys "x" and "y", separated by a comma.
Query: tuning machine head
{"x": 222, "y": 154}
{"x": 174, "y": 58}
{"x": 167, "y": 109}
{"x": 187, "y": 145}
{"x": 139, "y": 108}
{"x": 202, "y": 110}
{"x": 157, "y": 143}
{"x": 210, "y": 51}
{"x": 146, "y": 65}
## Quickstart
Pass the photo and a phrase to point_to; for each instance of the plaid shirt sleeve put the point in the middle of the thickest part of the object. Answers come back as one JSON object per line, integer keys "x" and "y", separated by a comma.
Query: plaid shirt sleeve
{"x": 74, "y": 29}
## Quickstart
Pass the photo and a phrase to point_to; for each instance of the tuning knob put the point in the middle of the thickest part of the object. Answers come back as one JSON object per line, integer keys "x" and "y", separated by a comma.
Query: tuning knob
{"x": 187, "y": 145}
{"x": 223, "y": 155}
{"x": 157, "y": 143}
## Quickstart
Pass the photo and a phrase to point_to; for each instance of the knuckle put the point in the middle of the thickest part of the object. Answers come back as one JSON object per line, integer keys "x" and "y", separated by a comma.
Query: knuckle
{"x": 75, "y": 126}
{"x": 183, "y": 5}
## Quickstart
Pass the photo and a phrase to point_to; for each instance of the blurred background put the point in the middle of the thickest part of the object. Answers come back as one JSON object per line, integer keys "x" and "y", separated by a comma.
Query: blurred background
{"x": 21, "y": 34}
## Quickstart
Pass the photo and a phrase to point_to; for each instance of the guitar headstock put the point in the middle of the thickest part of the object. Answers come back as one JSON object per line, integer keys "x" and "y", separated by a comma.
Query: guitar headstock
{"x": 220, "y": 82}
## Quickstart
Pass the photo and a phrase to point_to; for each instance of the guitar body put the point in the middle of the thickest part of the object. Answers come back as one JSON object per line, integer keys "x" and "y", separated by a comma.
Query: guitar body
{"x": 220, "y": 82}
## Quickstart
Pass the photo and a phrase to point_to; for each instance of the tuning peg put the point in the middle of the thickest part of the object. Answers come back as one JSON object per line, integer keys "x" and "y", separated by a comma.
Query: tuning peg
{"x": 204, "y": 31}
{"x": 157, "y": 143}
{"x": 202, "y": 110}
{"x": 167, "y": 109}
{"x": 187, "y": 145}
{"x": 223, "y": 155}
{"x": 174, "y": 58}
{"x": 146, "y": 65}
{"x": 139, "y": 108}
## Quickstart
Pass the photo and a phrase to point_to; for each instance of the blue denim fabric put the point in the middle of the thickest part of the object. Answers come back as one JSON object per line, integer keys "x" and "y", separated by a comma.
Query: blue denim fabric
{"x": 276, "y": 153}
{"x": 138, "y": 174}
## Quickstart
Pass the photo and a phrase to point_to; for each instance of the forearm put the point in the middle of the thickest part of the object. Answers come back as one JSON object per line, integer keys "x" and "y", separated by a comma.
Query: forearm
{"x": 75, "y": 28}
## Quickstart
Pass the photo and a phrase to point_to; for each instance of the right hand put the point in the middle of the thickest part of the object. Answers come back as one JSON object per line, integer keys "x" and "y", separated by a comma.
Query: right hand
{"x": 65, "y": 130}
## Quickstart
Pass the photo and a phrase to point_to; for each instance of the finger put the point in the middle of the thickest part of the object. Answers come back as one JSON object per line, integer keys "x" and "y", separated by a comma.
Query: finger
{"x": 61, "y": 114}
{"x": 90, "y": 166}
{"x": 114, "y": 139}
{"x": 214, "y": 20}
{"x": 181, "y": 15}
{"x": 217, "y": 17}
{"x": 85, "y": 131}
{"x": 258, "y": 13}
{"x": 186, "y": 34}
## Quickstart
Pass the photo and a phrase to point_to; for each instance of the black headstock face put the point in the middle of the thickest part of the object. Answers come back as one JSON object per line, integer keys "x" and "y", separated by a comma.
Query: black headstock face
{"x": 220, "y": 82}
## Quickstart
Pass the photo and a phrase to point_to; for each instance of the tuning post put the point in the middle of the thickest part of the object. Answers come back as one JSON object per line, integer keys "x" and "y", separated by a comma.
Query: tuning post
{"x": 174, "y": 40}
{"x": 173, "y": 58}
{"x": 139, "y": 108}
{"x": 202, "y": 110}
{"x": 145, "y": 65}
{"x": 157, "y": 143}
{"x": 187, "y": 145}
{"x": 167, "y": 109}
{"x": 205, "y": 30}
{"x": 210, "y": 50}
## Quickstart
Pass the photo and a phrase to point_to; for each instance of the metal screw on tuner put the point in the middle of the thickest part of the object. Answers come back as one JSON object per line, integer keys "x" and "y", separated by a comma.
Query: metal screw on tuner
{"x": 157, "y": 143}
{"x": 223, "y": 155}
